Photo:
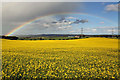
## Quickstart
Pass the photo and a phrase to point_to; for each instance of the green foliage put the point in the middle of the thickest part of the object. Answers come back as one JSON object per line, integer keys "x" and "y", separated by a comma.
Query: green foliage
{"x": 47, "y": 38}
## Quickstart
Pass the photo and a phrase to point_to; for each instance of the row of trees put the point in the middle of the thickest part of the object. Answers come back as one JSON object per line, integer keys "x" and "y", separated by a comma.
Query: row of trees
{"x": 47, "y": 38}
{"x": 35, "y": 38}
{"x": 56, "y": 38}
{"x": 107, "y": 36}
{"x": 10, "y": 37}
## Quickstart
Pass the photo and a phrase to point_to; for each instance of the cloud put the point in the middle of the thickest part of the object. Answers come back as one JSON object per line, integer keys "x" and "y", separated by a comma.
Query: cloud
{"x": 54, "y": 22}
{"x": 109, "y": 30}
{"x": 61, "y": 19}
{"x": 102, "y": 22}
{"x": 71, "y": 18}
{"x": 80, "y": 21}
{"x": 94, "y": 30}
{"x": 65, "y": 27}
{"x": 68, "y": 21}
{"x": 112, "y": 7}
{"x": 72, "y": 31}
{"x": 107, "y": 27}
{"x": 98, "y": 30}
{"x": 46, "y": 25}
{"x": 69, "y": 26}
{"x": 15, "y": 12}
{"x": 83, "y": 21}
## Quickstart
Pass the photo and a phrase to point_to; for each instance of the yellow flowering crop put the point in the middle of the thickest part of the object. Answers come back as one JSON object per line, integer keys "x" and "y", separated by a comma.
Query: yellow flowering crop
{"x": 80, "y": 58}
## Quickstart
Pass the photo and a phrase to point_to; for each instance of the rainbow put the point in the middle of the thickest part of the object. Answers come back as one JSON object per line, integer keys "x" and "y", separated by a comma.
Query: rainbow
{"x": 32, "y": 21}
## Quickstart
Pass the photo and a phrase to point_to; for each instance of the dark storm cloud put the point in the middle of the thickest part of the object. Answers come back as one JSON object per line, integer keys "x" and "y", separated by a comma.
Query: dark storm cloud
{"x": 14, "y": 13}
{"x": 61, "y": 19}
{"x": 83, "y": 21}
{"x": 54, "y": 22}
{"x": 80, "y": 21}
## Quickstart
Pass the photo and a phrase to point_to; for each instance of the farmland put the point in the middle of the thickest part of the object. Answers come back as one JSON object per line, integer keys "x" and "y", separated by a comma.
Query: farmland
{"x": 79, "y": 58}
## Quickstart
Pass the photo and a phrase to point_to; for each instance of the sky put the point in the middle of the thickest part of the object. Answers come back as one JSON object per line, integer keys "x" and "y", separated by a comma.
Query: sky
{"x": 59, "y": 17}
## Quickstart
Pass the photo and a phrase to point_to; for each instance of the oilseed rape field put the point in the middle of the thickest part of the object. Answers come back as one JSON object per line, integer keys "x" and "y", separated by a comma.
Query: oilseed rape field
{"x": 87, "y": 58}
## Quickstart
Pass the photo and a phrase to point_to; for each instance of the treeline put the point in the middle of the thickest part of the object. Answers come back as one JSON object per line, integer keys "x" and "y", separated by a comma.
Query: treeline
{"x": 9, "y": 37}
{"x": 47, "y": 38}
{"x": 56, "y": 38}
{"x": 106, "y": 36}
{"x": 36, "y": 38}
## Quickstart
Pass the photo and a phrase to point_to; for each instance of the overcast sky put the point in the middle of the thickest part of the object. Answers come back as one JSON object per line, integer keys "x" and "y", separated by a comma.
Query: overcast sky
{"x": 60, "y": 17}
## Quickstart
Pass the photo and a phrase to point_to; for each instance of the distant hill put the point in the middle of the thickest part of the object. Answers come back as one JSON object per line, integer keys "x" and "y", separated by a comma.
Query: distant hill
{"x": 41, "y": 35}
{"x": 54, "y": 36}
{"x": 65, "y": 35}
